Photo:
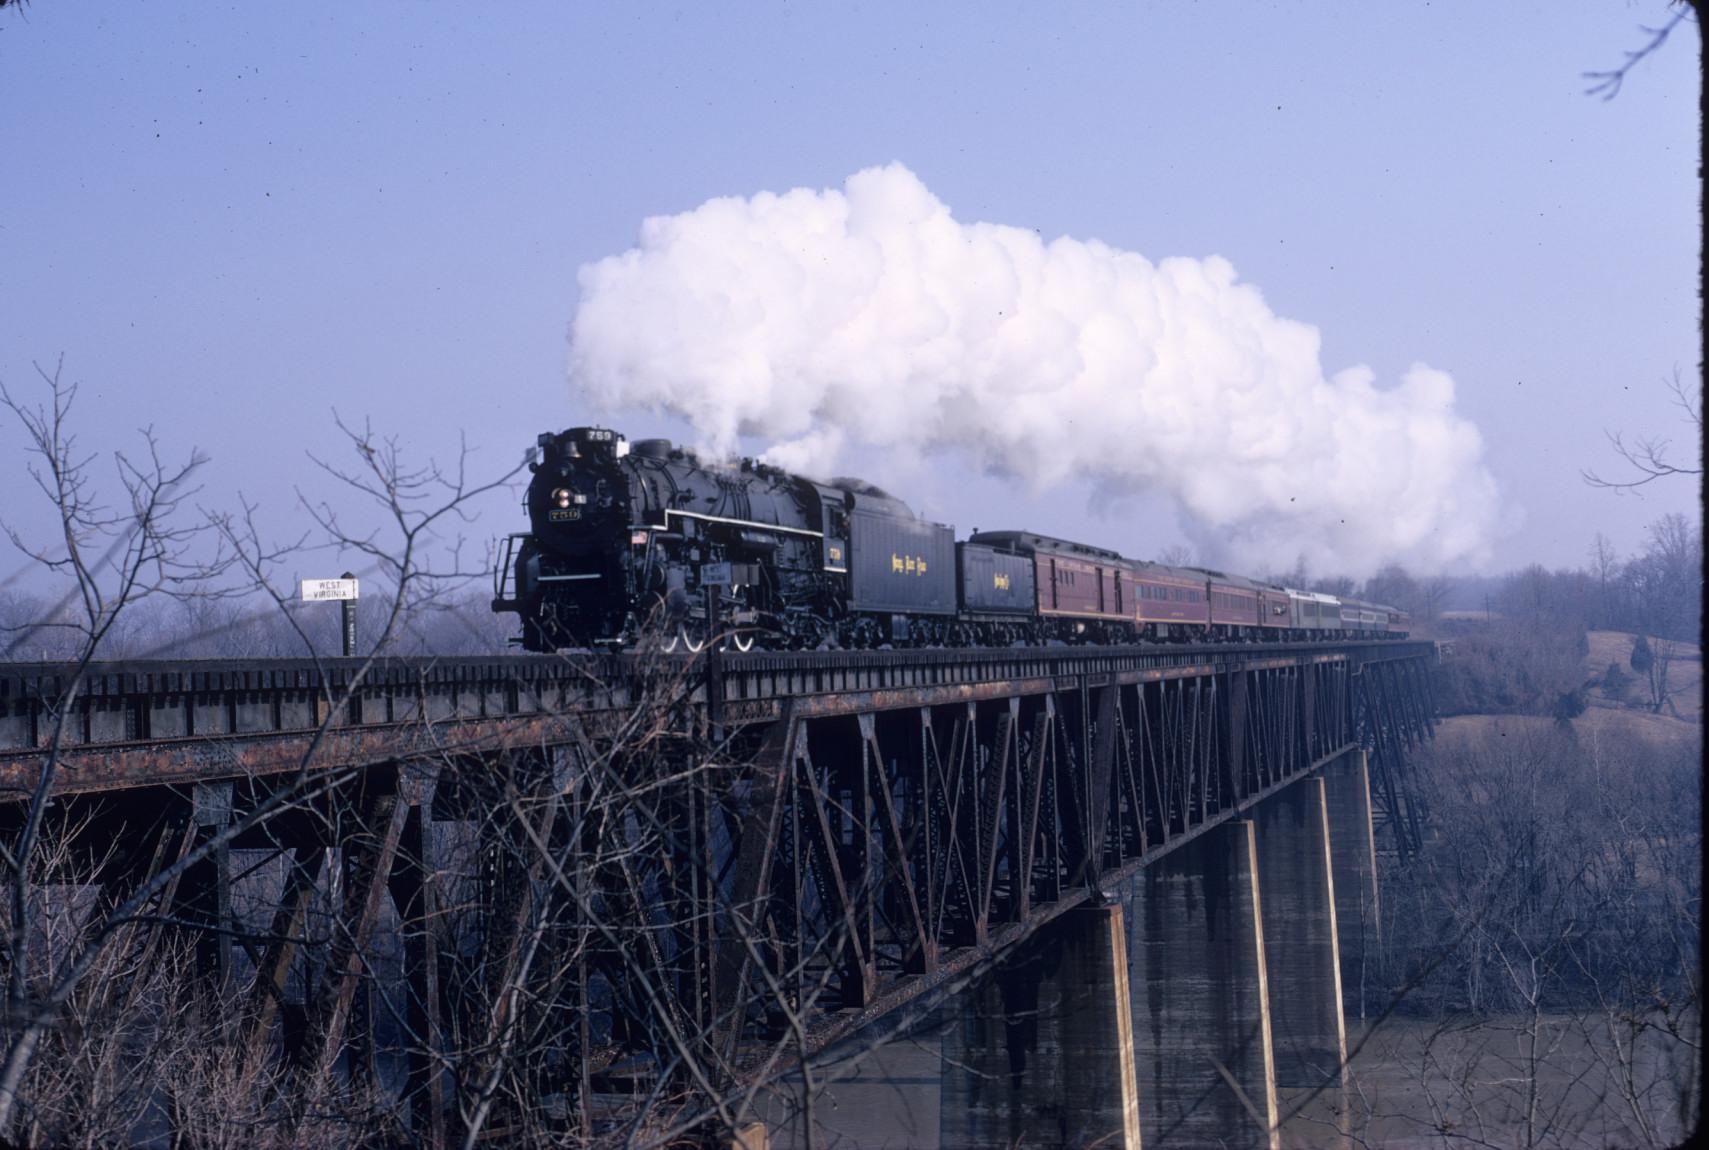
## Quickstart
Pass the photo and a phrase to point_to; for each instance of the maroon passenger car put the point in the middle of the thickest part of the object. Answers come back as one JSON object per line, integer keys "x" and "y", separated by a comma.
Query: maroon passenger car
{"x": 1169, "y": 602}
{"x": 1243, "y": 608}
{"x": 1084, "y": 592}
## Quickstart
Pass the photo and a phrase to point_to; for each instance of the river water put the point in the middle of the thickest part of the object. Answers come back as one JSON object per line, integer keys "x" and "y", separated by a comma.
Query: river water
{"x": 1558, "y": 1080}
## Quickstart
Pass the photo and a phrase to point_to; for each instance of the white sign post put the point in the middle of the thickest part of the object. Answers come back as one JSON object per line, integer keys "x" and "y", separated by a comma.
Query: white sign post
{"x": 343, "y": 590}
{"x": 318, "y": 590}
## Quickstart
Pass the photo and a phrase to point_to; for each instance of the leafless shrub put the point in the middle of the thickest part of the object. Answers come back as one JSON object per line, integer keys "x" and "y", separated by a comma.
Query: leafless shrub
{"x": 555, "y": 894}
{"x": 1567, "y": 873}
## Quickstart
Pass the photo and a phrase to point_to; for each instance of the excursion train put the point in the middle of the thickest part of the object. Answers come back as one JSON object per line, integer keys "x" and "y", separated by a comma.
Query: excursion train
{"x": 652, "y": 541}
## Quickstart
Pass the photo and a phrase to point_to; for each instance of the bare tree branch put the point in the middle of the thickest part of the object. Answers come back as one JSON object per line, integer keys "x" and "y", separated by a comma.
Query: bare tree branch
{"x": 1607, "y": 84}
{"x": 1648, "y": 456}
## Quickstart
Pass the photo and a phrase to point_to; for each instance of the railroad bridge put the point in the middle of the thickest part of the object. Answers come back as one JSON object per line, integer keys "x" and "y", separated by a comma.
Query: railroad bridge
{"x": 593, "y": 893}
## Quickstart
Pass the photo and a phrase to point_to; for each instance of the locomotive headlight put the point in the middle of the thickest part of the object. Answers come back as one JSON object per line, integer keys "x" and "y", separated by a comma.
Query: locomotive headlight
{"x": 562, "y": 497}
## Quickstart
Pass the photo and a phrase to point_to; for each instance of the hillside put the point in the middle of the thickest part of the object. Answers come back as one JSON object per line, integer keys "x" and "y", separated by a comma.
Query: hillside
{"x": 1684, "y": 677}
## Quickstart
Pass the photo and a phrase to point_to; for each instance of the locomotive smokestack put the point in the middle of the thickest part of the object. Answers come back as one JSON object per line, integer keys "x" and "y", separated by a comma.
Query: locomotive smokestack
{"x": 870, "y": 314}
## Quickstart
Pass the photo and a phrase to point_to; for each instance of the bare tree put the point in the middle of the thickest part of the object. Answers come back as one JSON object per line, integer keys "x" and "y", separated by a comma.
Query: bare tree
{"x": 1393, "y": 585}
{"x": 1604, "y": 568}
{"x": 79, "y": 964}
{"x": 107, "y": 559}
{"x": 1607, "y": 83}
{"x": 414, "y": 550}
{"x": 1433, "y": 591}
{"x": 1566, "y": 874}
{"x": 1178, "y": 555}
{"x": 1341, "y": 586}
{"x": 1653, "y": 659}
{"x": 549, "y": 897}
{"x": 1648, "y": 457}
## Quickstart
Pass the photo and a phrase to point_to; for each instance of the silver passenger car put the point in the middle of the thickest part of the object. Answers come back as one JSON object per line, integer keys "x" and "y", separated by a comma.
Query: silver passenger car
{"x": 1314, "y": 612}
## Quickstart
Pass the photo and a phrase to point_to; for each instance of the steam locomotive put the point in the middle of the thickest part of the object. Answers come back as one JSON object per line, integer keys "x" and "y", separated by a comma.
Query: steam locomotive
{"x": 652, "y": 540}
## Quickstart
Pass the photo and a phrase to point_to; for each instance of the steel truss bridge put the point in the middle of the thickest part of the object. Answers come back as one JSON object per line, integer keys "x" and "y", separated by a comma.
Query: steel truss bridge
{"x": 686, "y": 875}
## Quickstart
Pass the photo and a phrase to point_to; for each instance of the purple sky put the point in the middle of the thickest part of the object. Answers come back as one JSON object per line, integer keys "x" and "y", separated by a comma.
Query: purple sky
{"x": 231, "y": 220}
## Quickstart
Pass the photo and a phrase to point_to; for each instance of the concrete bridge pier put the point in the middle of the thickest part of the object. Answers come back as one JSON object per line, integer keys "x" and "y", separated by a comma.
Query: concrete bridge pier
{"x": 1301, "y": 946}
{"x": 1353, "y": 861}
{"x": 1042, "y": 1055}
{"x": 1201, "y": 1008}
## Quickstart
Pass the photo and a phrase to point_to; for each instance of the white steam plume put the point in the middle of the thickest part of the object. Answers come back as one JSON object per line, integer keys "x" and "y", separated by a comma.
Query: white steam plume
{"x": 871, "y": 314}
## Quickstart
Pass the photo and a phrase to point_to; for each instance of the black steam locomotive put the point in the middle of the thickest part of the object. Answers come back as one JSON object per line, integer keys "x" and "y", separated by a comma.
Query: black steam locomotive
{"x": 653, "y": 540}
{"x": 626, "y": 537}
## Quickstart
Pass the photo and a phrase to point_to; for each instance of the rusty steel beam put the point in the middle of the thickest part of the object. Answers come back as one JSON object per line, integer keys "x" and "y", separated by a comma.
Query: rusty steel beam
{"x": 956, "y": 865}
{"x": 415, "y": 892}
{"x": 773, "y": 773}
{"x": 368, "y": 867}
{"x": 922, "y": 956}
{"x": 858, "y": 979}
{"x": 92, "y": 769}
{"x": 960, "y": 961}
{"x": 520, "y": 817}
{"x": 183, "y": 723}
{"x": 1025, "y": 830}
{"x": 1100, "y": 773}
{"x": 1003, "y": 751}
{"x": 290, "y": 921}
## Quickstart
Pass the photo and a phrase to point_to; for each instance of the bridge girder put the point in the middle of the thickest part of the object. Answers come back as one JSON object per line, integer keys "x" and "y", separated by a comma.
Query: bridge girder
{"x": 833, "y": 839}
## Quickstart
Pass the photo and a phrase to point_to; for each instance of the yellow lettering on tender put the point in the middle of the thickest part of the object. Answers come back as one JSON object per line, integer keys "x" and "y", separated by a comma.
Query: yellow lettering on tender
{"x": 895, "y": 562}
{"x": 1001, "y": 582}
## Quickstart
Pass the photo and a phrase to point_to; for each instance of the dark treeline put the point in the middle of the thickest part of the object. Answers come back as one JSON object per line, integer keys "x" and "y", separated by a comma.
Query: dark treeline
{"x": 1518, "y": 642}
{"x": 1657, "y": 592}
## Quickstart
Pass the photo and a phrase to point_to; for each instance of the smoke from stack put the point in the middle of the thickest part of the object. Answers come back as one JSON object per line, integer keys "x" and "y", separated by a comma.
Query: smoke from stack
{"x": 870, "y": 315}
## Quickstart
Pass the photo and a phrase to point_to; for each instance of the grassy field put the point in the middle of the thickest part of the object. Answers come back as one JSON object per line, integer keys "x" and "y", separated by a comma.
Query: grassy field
{"x": 1468, "y": 732}
{"x": 1684, "y": 677}
{"x": 1606, "y": 717}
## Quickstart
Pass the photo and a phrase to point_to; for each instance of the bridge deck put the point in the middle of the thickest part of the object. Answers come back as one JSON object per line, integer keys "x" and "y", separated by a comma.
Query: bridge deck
{"x": 156, "y": 722}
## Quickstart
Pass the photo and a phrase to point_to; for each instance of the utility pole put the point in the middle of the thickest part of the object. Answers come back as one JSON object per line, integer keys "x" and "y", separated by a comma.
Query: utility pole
{"x": 347, "y": 608}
